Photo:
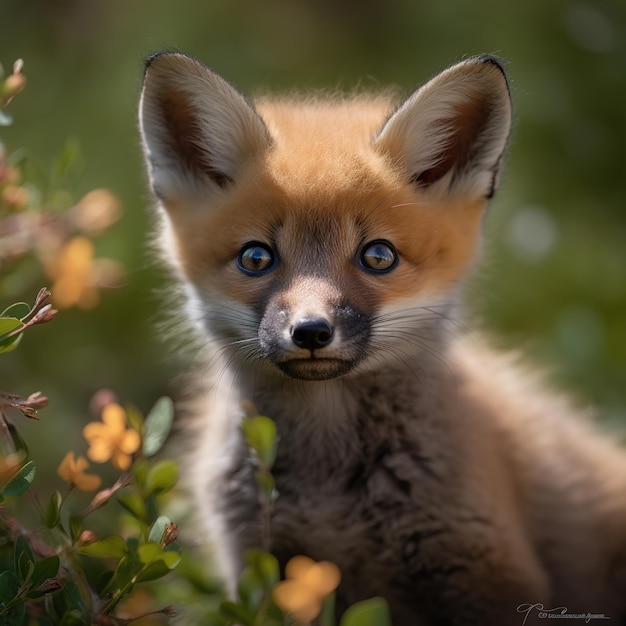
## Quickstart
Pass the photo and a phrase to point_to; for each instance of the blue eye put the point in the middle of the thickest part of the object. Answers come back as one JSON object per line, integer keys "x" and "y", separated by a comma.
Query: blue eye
{"x": 255, "y": 258}
{"x": 378, "y": 256}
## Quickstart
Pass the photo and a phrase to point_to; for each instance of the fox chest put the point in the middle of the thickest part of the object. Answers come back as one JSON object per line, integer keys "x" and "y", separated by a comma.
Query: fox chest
{"x": 371, "y": 517}
{"x": 357, "y": 498}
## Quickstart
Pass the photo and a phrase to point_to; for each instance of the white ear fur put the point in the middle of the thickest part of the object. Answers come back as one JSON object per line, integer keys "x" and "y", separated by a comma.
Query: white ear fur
{"x": 197, "y": 129}
{"x": 450, "y": 135}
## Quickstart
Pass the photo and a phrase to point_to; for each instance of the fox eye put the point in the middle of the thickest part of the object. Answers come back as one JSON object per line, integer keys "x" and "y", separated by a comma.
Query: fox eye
{"x": 255, "y": 258}
{"x": 379, "y": 256}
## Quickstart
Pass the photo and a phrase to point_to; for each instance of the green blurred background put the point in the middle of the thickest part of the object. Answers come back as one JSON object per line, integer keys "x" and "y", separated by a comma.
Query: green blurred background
{"x": 554, "y": 278}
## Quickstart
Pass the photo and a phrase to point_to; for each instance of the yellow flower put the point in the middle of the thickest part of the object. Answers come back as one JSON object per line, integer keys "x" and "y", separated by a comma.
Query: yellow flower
{"x": 98, "y": 210}
{"x": 72, "y": 471}
{"x": 9, "y": 466}
{"x": 307, "y": 584}
{"x": 110, "y": 439}
{"x": 73, "y": 273}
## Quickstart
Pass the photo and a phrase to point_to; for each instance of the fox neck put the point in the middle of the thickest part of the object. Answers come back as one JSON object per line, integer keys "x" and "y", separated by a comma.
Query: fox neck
{"x": 328, "y": 428}
{"x": 327, "y": 405}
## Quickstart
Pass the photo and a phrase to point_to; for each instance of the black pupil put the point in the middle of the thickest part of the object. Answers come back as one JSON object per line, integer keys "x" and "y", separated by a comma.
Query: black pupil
{"x": 256, "y": 259}
{"x": 378, "y": 257}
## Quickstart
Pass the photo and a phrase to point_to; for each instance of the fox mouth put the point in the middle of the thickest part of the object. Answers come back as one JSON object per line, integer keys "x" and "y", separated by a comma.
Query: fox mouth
{"x": 313, "y": 368}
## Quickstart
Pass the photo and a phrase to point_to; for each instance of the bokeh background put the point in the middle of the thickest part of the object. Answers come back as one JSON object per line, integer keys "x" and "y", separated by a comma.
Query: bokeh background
{"x": 553, "y": 283}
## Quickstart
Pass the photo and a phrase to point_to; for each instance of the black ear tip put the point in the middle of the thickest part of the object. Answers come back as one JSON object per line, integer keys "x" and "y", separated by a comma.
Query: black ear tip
{"x": 494, "y": 61}
{"x": 159, "y": 54}
{"x": 150, "y": 59}
{"x": 154, "y": 56}
{"x": 491, "y": 59}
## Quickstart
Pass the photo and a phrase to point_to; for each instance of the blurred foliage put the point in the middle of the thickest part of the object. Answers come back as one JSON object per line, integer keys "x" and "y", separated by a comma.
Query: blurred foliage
{"x": 553, "y": 280}
{"x": 44, "y": 578}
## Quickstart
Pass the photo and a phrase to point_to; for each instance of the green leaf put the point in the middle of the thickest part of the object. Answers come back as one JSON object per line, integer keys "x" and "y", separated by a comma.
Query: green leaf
{"x": 73, "y": 617}
{"x": 250, "y": 590}
{"x": 211, "y": 618}
{"x": 140, "y": 473}
{"x": 170, "y": 557}
{"x": 21, "y": 548}
{"x": 8, "y": 325}
{"x": 132, "y": 545}
{"x": 124, "y": 574}
{"x": 53, "y": 510}
{"x": 68, "y": 161}
{"x": 19, "y": 310}
{"x": 372, "y": 612}
{"x": 260, "y": 433}
{"x": 21, "y": 481}
{"x": 134, "y": 504}
{"x": 149, "y": 552}
{"x": 18, "y": 441}
{"x": 25, "y": 568}
{"x": 265, "y": 481}
{"x": 157, "y": 426}
{"x": 45, "y": 569}
{"x": 327, "y": 615}
{"x": 155, "y": 570}
{"x": 70, "y": 605}
{"x": 158, "y": 528}
{"x": 134, "y": 417}
{"x": 152, "y": 508}
{"x": 112, "y": 546}
{"x": 9, "y": 588}
{"x": 75, "y": 523}
{"x": 162, "y": 477}
{"x": 236, "y": 612}
{"x": 265, "y": 566}
{"x": 275, "y": 617}
{"x": 193, "y": 570}
{"x": 104, "y": 581}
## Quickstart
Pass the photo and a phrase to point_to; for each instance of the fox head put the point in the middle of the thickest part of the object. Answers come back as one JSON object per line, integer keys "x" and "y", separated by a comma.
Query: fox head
{"x": 322, "y": 236}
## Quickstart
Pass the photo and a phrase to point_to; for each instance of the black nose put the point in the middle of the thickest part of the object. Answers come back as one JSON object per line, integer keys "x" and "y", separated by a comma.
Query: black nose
{"x": 312, "y": 334}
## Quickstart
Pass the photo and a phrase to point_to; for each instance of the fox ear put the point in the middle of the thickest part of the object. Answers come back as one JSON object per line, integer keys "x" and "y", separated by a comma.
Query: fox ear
{"x": 450, "y": 135}
{"x": 198, "y": 131}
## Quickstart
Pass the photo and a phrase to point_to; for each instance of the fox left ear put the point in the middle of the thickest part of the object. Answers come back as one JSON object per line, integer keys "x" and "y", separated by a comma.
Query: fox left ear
{"x": 198, "y": 131}
{"x": 451, "y": 134}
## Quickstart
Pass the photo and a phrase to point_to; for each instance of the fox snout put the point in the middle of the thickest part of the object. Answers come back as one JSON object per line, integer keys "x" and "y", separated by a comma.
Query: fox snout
{"x": 313, "y": 342}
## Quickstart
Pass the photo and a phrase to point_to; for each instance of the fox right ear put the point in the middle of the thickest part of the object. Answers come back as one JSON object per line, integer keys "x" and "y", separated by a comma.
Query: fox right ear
{"x": 451, "y": 134}
{"x": 198, "y": 131}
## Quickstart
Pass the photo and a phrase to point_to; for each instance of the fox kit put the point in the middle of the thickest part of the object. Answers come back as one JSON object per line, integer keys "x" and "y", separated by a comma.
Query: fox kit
{"x": 321, "y": 242}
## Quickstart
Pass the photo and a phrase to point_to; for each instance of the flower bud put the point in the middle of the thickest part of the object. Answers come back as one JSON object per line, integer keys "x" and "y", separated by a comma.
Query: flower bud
{"x": 15, "y": 197}
{"x": 9, "y": 175}
{"x": 13, "y": 85}
{"x": 100, "y": 399}
{"x": 45, "y": 314}
{"x": 101, "y": 498}
{"x": 170, "y": 534}
{"x": 168, "y": 611}
{"x": 87, "y": 537}
{"x": 49, "y": 586}
{"x": 37, "y": 401}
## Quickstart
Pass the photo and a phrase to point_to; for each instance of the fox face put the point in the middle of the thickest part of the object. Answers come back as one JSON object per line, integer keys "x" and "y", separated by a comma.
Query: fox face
{"x": 320, "y": 237}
